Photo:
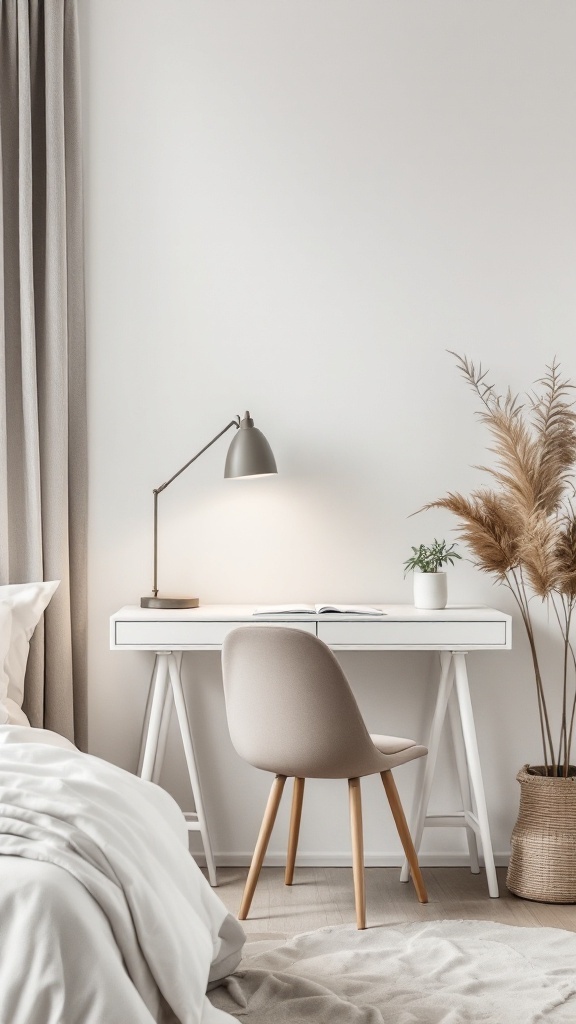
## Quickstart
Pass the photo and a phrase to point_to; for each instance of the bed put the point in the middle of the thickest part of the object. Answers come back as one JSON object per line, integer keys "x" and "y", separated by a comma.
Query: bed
{"x": 104, "y": 916}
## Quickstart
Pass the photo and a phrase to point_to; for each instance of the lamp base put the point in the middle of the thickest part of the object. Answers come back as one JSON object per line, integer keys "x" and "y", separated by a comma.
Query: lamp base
{"x": 169, "y": 602}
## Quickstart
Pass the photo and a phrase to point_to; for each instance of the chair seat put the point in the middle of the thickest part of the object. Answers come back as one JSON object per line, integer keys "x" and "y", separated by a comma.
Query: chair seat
{"x": 398, "y": 750}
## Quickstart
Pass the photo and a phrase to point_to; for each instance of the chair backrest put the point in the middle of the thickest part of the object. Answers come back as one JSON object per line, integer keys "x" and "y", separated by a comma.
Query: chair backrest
{"x": 290, "y": 709}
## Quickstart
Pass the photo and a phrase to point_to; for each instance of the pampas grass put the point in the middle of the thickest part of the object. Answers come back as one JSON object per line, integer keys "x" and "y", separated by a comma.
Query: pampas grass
{"x": 522, "y": 529}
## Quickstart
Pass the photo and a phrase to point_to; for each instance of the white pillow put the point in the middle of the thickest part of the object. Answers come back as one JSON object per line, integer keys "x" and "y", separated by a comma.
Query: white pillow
{"x": 21, "y": 605}
{"x": 11, "y": 714}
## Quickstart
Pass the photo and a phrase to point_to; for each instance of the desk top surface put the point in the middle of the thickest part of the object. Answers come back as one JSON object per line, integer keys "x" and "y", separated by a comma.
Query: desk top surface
{"x": 245, "y": 612}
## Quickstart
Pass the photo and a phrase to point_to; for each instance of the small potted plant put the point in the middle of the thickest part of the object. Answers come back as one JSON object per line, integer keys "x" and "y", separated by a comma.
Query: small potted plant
{"x": 430, "y": 583}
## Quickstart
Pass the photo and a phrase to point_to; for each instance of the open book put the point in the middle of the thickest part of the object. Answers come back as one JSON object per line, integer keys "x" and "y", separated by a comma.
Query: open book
{"x": 318, "y": 609}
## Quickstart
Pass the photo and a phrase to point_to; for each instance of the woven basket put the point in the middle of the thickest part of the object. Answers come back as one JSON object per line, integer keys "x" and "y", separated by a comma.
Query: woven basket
{"x": 543, "y": 861}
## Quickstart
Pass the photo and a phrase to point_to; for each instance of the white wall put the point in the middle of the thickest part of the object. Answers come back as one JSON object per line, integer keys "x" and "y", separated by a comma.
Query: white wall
{"x": 296, "y": 208}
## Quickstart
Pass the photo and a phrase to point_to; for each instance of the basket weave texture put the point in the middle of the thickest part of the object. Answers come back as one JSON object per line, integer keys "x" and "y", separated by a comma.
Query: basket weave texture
{"x": 543, "y": 861}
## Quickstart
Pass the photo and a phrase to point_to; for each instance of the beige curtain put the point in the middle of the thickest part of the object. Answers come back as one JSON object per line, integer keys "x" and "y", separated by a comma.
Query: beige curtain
{"x": 42, "y": 347}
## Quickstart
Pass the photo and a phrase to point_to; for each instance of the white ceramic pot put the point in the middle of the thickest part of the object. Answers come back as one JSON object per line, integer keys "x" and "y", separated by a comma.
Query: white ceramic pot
{"x": 430, "y": 589}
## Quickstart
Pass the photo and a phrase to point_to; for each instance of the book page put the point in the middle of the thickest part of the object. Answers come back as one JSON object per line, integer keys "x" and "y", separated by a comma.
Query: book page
{"x": 317, "y": 609}
{"x": 348, "y": 609}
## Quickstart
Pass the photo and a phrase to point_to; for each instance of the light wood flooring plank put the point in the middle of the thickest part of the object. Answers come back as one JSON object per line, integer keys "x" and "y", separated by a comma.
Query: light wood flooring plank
{"x": 325, "y": 896}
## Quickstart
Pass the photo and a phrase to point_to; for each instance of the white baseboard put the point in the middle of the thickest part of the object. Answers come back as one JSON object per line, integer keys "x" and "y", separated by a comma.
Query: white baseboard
{"x": 344, "y": 860}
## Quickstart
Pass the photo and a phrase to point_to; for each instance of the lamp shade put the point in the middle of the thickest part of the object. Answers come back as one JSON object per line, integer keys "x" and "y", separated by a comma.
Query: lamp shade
{"x": 249, "y": 454}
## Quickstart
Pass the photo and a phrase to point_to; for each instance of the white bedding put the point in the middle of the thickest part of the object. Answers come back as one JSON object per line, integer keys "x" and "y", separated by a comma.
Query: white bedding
{"x": 104, "y": 916}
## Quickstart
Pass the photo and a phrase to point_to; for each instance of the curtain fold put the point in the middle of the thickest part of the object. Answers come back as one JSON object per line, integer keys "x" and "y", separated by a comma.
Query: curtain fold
{"x": 43, "y": 485}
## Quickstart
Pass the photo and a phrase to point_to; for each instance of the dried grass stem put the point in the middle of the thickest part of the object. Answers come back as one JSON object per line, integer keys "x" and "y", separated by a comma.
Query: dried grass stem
{"x": 522, "y": 530}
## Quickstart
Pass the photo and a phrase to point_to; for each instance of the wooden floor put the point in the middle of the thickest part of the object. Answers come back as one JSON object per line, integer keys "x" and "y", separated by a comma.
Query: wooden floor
{"x": 325, "y": 896}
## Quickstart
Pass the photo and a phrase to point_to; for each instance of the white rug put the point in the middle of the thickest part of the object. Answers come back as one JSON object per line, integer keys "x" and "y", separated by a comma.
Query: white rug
{"x": 440, "y": 972}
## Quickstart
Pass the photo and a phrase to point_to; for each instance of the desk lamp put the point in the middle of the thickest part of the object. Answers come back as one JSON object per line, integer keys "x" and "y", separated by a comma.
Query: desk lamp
{"x": 248, "y": 455}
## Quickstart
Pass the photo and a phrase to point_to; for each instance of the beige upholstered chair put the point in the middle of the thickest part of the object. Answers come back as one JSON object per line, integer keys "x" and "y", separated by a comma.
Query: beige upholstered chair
{"x": 291, "y": 712}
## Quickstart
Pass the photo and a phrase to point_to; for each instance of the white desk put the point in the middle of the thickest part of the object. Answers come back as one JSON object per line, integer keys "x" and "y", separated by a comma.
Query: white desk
{"x": 453, "y": 632}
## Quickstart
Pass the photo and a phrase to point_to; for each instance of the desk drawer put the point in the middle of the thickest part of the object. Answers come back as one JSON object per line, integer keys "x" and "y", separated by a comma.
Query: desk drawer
{"x": 428, "y": 635}
{"x": 180, "y": 635}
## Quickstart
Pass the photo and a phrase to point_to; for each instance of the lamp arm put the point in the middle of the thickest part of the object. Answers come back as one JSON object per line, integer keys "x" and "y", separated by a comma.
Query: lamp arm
{"x": 162, "y": 487}
{"x": 233, "y": 423}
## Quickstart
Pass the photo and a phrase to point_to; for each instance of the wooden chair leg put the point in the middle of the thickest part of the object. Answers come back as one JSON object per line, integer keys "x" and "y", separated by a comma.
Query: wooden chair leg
{"x": 357, "y": 851}
{"x": 404, "y": 833}
{"x": 296, "y": 814}
{"x": 262, "y": 844}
